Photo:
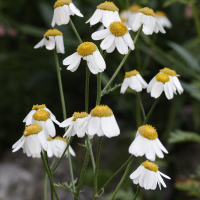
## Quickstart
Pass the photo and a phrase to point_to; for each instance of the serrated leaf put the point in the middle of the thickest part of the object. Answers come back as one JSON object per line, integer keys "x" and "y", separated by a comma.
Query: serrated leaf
{"x": 64, "y": 185}
{"x": 179, "y": 136}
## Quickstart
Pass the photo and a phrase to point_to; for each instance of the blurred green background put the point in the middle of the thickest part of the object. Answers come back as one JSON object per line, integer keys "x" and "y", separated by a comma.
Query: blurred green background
{"x": 28, "y": 76}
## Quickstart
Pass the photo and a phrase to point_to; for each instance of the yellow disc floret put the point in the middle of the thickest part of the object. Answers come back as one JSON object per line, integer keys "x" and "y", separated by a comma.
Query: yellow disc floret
{"x": 86, "y": 48}
{"x": 147, "y": 11}
{"x": 118, "y": 29}
{"x": 123, "y": 19}
{"x": 50, "y": 138}
{"x": 62, "y": 2}
{"x": 134, "y": 8}
{"x": 52, "y": 32}
{"x": 150, "y": 166}
{"x": 37, "y": 107}
{"x": 131, "y": 73}
{"x": 41, "y": 115}
{"x": 32, "y": 129}
{"x": 60, "y": 138}
{"x": 162, "y": 78}
{"x": 168, "y": 71}
{"x": 78, "y": 115}
{"x": 160, "y": 13}
{"x": 148, "y": 132}
{"x": 101, "y": 111}
{"x": 107, "y": 5}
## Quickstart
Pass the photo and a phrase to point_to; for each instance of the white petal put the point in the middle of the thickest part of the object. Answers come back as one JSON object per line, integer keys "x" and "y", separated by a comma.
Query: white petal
{"x": 71, "y": 151}
{"x": 177, "y": 84}
{"x": 99, "y": 35}
{"x": 142, "y": 176}
{"x": 55, "y": 121}
{"x": 146, "y": 20}
{"x": 107, "y": 42}
{"x": 139, "y": 77}
{"x": 99, "y": 60}
{"x": 40, "y": 44}
{"x": 53, "y": 20}
{"x": 106, "y": 20}
{"x": 137, "y": 21}
{"x": 59, "y": 44}
{"x": 96, "y": 17}
{"x": 135, "y": 84}
{"x": 158, "y": 25}
{"x": 151, "y": 180}
{"x": 146, "y": 179}
{"x": 71, "y": 59}
{"x": 93, "y": 125}
{"x": 74, "y": 64}
{"x": 111, "y": 48}
{"x": 68, "y": 133}
{"x": 50, "y": 44}
{"x": 150, "y": 85}
{"x": 164, "y": 175}
{"x": 18, "y": 144}
{"x": 107, "y": 127}
{"x": 157, "y": 150}
{"x": 157, "y": 89}
{"x": 155, "y": 181}
{"x": 92, "y": 64}
{"x": 43, "y": 140}
{"x": 125, "y": 85}
{"x": 50, "y": 128}
{"x": 161, "y": 146}
{"x": 129, "y": 41}
{"x": 66, "y": 122}
{"x": 121, "y": 45}
{"x": 161, "y": 180}
{"x": 75, "y": 10}
{"x": 67, "y": 13}
{"x": 168, "y": 87}
{"x": 137, "y": 172}
{"x": 115, "y": 125}
{"x": 150, "y": 154}
{"x": 29, "y": 117}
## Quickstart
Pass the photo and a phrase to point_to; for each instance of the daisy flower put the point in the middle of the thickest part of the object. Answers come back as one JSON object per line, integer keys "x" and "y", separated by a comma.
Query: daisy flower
{"x": 53, "y": 38}
{"x": 89, "y": 52}
{"x": 147, "y": 17}
{"x": 33, "y": 141}
{"x": 132, "y": 11}
{"x": 148, "y": 176}
{"x": 57, "y": 146}
{"x": 134, "y": 80}
{"x": 173, "y": 79}
{"x": 75, "y": 124}
{"x": 101, "y": 121}
{"x": 146, "y": 143}
{"x": 28, "y": 118}
{"x": 62, "y": 11}
{"x": 45, "y": 119}
{"x": 116, "y": 35}
{"x": 162, "y": 18}
{"x": 106, "y": 13}
{"x": 159, "y": 83}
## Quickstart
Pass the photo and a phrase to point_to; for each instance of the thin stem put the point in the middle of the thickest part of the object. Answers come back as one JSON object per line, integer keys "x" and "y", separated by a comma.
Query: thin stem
{"x": 122, "y": 62}
{"x": 138, "y": 189}
{"x": 97, "y": 168}
{"x": 49, "y": 175}
{"x": 141, "y": 105}
{"x": 54, "y": 170}
{"x": 196, "y": 20}
{"x": 75, "y": 31}
{"x": 116, "y": 173}
{"x": 45, "y": 185}
{"x": 87, "y": 79}
{"x": 150, "y": 112}
{"x": 98, "y": 88}
{"x": 122, "y": 180}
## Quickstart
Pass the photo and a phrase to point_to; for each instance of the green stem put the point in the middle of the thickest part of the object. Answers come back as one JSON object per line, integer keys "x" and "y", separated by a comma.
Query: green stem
{"x": 150, "y": 112}
{"x": 62, "y": 155}
{"x": 49, "y": 175}
{"x": 75, "y": 31}
{"x": 98, "y": 88}
{"x": 45, "y": 185}
{"x": 138, "y": 189}
{"x": 122, "y": 180}
{"x": 115, "y": 174}
{"x": 96, "y": 169}
{"x": 141, "y": 105}
{"x": 87, "y": 88}
{"x": 196, "y": 20}
{"x": 122, "y": 62}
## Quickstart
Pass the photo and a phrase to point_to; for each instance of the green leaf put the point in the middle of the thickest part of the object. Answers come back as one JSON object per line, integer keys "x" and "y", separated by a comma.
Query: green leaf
{"x": 179, "y": 136}
{"x": 186, "y": 56}
{"x": 82, "y": 145}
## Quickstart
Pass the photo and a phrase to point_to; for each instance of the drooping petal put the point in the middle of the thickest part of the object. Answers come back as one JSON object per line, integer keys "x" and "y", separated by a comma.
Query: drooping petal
{"x": 115, "y": 125}
{"x": 161, "y": 180}
{"x": 74, "y": 64}
{"x": 71, "y": 59}
{"x": 107, "y": 42}
{"x": 150, "y": 85}
{"x": 43, "y": 140}
{"x": 50, "y": 128}
{"x": 139, "y": 77}
{"x": 40, "y": 44}
{"x": 92, "y": 65}
{"x": 96, "y": 17}
{"x": 121, "y": 45}
{"x": 137, "y": 22}
{"x": 137, "y": 172}
{"x": 66, "y": 122}
{"x": 157, "y": 89}
{"x": 158, "y": 25}
{"x": 66, "y": 11}
{"x": 125, "y": 85}
{"x": 129, "y": 41}
{"x": 99, "y": 60}
{"x": 99, "y": 35}
{"x": 50, "y": 44}
{"x": 111, "y": 48}
{"x": 177, "y": 84}
{"x": 107, "y": 127}
{"x": 93, "y": 125}
{"x": 164, "y": 175}
{"x": 18, "y": 144}
{"x": 161, "y": 146}
{"x": 75, "y": 10}
{"x": 59, "y": 44}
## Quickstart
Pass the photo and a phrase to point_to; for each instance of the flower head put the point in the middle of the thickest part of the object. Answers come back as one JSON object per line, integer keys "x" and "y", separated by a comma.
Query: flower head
{"x": 106, "y": 13}
{"x": 62, "y": 11}
{"x": 57, "y": 146}
{"x": 134, "y": 80}
{"x": 89, "y": 52}
{"x": 76, "y": 125}
{"x": 116, "y": 35}
{"x": 148, "y": 176}
{"x": 132, "y": 11}
{"x": 101, "y": 121}
{"x": 147, "y": 17}
{"x": 53, "y": 38}
{"x": 33, "y": 141}
{"x": 162, "y": 18}
{"x": 146, "y": 143}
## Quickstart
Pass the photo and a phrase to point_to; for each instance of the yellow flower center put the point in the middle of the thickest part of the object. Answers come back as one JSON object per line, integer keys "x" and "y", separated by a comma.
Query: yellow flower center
{"x": 150, "y": 166}
{"x": 52, "y": 32}
{"x": 148, "y": 132}
{"x": 78, "y": 115}
{"x": 41, "y": 115}
{"x": 62, "y": 2}
{"x": 131, "y": 73}
{"x": 160, "y": 14}
{"x": 86, "y": 48}
{"x": 118, "y": 29}
{"x": 123, "y": 19}
{"x": 32, "y": 129}
{"x": 162, "y": 78}
{"x": 168, "y": 71}
{"x": 107, "y": 5}
{"x": 50, "y": 138}
{"x": 37, "y": 107}
{"x": 101, "y": 111}
{"x": 60, "y": 138}
{"x": 147, "y": 11}
{"x": 134, "y": 8}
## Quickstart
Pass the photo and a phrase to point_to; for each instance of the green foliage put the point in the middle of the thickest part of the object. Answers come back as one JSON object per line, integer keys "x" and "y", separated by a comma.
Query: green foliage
{"x": 179, "y": 136}
{"x": 170, "y": 2}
